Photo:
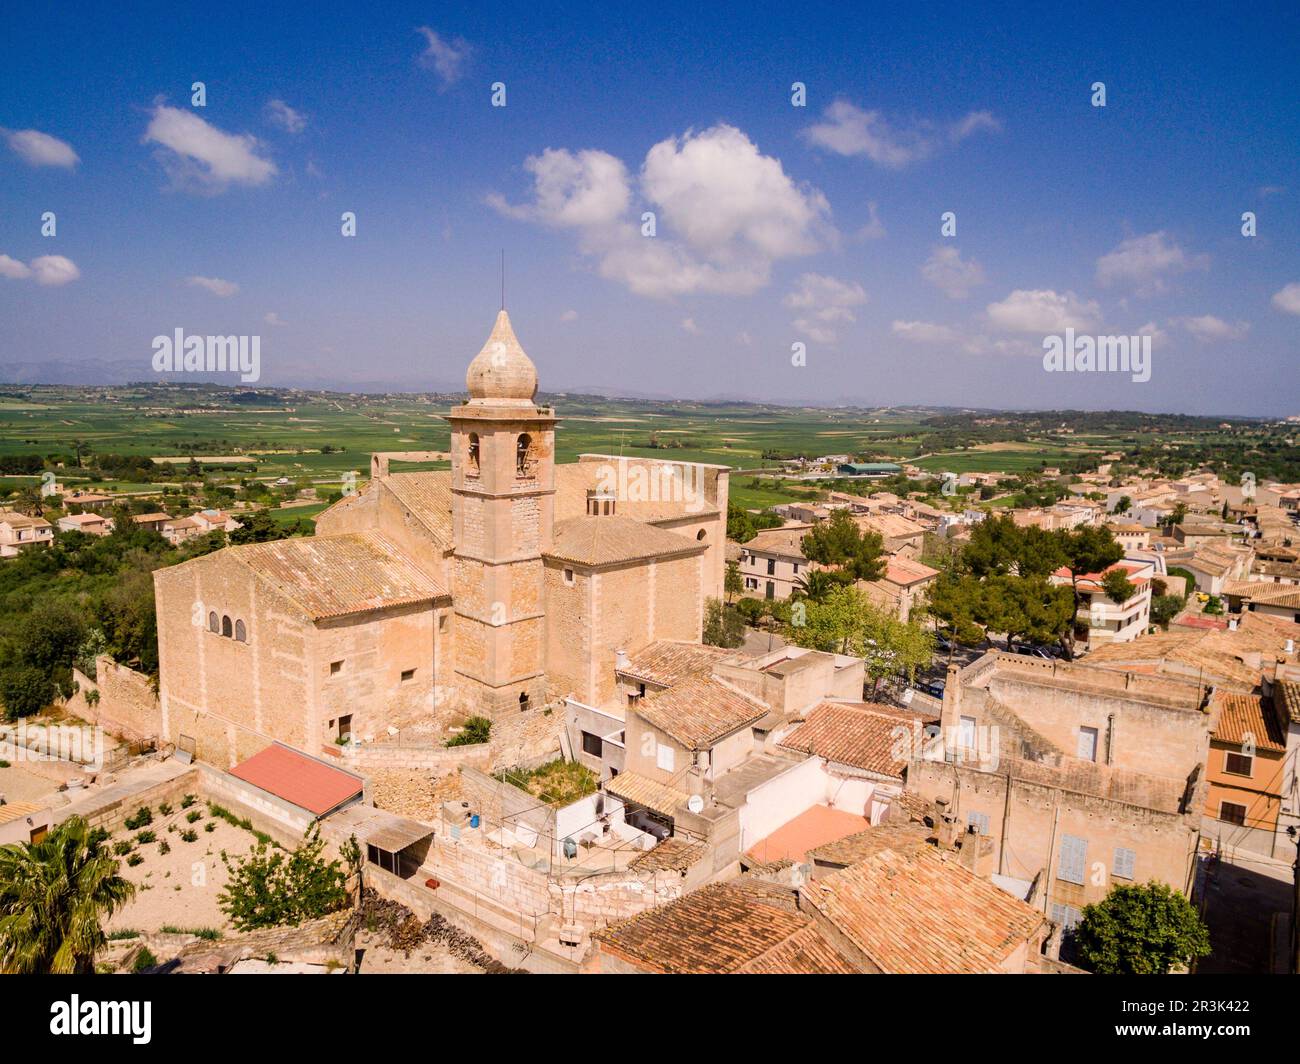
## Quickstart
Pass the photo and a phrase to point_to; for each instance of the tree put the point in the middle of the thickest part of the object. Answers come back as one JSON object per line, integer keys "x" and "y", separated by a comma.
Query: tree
{"x": 816, "y": 584}
{"x": 1119, "y": 589}
{"x": 839, "y": 542}
{"x": 723, "y": 625}
{"x": 733, "y": 584}
{"x": 1122, "y": 505}
{"x": 1140, "y": 930}
{"x": 475, "y": 730}
{"x": 53, "y": 896}
{"x": 272, "y": 888}
{"x": 954, "y": 604}
{"x": 848, "y": 622}
{"x": 258, "y": 527}
{"x": 25, "y": 690}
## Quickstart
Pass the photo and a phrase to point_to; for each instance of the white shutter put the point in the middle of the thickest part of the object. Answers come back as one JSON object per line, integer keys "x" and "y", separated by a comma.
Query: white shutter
{"x": 1074, "y": 858}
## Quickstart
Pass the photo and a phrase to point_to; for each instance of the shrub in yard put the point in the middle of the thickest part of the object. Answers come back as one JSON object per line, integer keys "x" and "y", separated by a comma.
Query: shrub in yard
{"x": 164, "y": 847}
{"x": 189, "y": 835}
{"x": 144, "y": 959}
{"x": 142, "y": 818}
{"x": 188, "y": 801}
{"x": 146, "y": 837}
{"x": 135, "y": 859}
{"x": 122, "y": 847}
{"x": 193, "y": 815}
{"x": 210, "y": 826}
{"x": 165, "y": 808}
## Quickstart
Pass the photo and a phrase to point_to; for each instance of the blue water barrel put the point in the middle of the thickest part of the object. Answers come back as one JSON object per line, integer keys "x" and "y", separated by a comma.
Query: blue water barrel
{"x": 473, "y": 820}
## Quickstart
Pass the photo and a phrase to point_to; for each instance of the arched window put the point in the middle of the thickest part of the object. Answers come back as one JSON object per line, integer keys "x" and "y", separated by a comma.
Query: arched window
{"x": 473, "y": 454}
{"x": 241, "y": 633}
{"x": 225, "y": 626}
{"x": 213, "y": 624}
{"x": 701, "y": 534}
{"x": 524, "y": 456}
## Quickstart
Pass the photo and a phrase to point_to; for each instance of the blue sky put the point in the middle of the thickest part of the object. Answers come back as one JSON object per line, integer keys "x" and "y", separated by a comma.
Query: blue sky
{"x": 774, "y": 224}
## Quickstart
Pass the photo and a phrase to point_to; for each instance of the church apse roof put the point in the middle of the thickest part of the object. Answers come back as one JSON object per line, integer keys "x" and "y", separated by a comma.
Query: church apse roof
{"x": 610, "y": 540}
{"x": 332, "y": 576}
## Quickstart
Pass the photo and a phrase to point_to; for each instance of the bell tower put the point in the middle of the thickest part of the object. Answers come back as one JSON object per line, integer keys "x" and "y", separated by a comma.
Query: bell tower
{"x": 503, "y": 491}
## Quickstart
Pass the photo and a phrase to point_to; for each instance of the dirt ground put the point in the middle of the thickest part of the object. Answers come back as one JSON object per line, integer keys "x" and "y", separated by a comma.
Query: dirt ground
{"x": 427, "y": 959}
{"x": 180, "y": 888}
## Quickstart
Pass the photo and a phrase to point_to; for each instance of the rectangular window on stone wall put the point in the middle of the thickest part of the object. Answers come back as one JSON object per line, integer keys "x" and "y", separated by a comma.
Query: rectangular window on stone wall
{"x": 1074, "y": 858}
{"x": 592, "y": 744}
{"x": 664, "y": 757}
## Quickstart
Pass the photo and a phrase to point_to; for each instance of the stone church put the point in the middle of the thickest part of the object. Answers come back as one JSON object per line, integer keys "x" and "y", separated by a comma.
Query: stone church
{"x": 491, "y": 588}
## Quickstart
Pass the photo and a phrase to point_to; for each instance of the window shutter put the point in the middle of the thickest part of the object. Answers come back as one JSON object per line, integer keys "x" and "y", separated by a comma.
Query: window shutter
{"x": 1124, "y": 864}
{"x": 1074, "y": 857}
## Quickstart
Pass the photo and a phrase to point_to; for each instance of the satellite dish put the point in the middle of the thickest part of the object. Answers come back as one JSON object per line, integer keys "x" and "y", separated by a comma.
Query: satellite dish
{"x": 695, "y": 803}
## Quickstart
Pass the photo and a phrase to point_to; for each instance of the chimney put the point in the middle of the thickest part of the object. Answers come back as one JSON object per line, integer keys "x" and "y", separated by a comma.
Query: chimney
{"x": 976, "y": 853}
{"x": 621, "y": 660}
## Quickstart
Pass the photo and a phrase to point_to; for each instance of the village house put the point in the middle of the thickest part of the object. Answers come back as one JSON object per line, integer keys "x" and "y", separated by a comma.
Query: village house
{"x": 1081, "y": 777}
{"x": 18, "y": 533}
{"x": 152, "y": 522}
{"x": 1247, "y": 772}
{"x": 903, "y": 586}
{"x": 90, "y": 523}
{"x": 213, "y": 521}
{"x": 907, "y": 907}
{"x": 1099, "y": 619}
{"x": 772, "y": 563}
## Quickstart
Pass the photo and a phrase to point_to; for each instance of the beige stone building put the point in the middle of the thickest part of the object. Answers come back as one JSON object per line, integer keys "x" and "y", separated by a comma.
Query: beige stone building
{"x": 1081, "y": 777}
{"x": 490, "y": 588}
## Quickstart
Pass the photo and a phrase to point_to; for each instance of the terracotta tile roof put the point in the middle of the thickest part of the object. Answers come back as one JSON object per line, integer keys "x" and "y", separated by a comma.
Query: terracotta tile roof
{"x": 666, "y": 662}
{"x": 722, "y": 929}
{"x": 331, "y": 576}
{"x": 1245, "y": 718}
{"x": 785, "y": 542}
{"x": 16, "y": 520}
{"x": 427, "y": 496}
{"x": 805, "y": 952}
{"x": 1286, "y": 696}
{"x": 918, "y": 911}
{"x": 813, "y": 827}
{"x": 890, "y": 526}
{"x": 17, "y": 810}
{"x": 1285, "y": 595}
{"x": 867, "y": 843}
{"x": 905, "y": 571}
{"x": 298, "y": 779}
{"x": 671, "y": 855}
{"x": 610, "y": 540}
{"x": 159, "y": 516}
{"x": 862, "y": 735}
{"x": 700, "y": 711}
{"x": 642, "y": 790}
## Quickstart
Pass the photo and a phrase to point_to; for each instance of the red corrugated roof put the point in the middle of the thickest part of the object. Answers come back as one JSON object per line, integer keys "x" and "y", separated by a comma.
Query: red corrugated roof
{"x": 297, "y": 778}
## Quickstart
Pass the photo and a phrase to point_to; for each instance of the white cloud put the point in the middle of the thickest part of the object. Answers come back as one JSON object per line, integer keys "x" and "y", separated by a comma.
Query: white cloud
{"x": 1043, "y": 311}
{"x": 201, "y": 155}
{"x": 924, "y": 332}
{"x": 40, "y": 149}
{"x": 1287, "y": 299}
{"x": 1207, "y": 328}
{"x": 1144, "y": 262}
{"x": 947, "y": 272}
{"x": 688, "y": 324}
{"x": 447, "y": 57}
{"x": 723, "y": 211}
{"x": 51, "y": 271}
{"x": 215, "y": 285}
{"x": 54, "y": 270}
{"x": 569, "y": 315}
{"x": 823, "y": 302}
{"x": 13, "y": 269}
{"x": 287, "y": 118}
{"x": 272, "y": 318}
{"x": 1157, "y": 334}
{"x": 849, "y": 130}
